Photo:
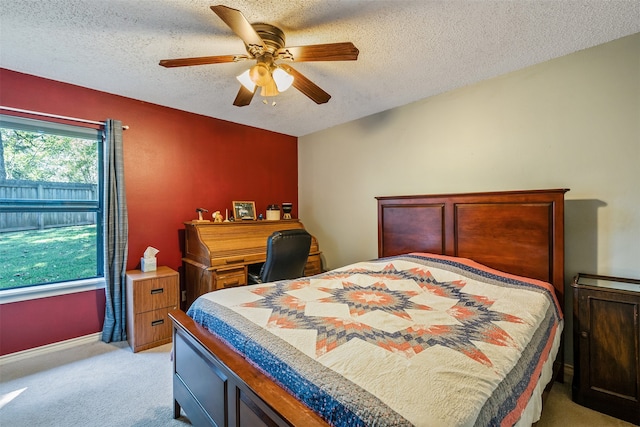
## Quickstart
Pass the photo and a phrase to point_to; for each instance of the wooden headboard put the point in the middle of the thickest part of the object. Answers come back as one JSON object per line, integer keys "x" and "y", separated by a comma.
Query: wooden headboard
{"x": 518, "y": 232}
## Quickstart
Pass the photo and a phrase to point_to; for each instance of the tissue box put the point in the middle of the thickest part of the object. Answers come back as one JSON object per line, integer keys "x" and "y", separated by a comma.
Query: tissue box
{"x": 148, "y": 264}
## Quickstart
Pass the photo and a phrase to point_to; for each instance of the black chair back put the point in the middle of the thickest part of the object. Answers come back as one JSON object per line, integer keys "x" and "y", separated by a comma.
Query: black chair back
{"x": 287, "y": 253}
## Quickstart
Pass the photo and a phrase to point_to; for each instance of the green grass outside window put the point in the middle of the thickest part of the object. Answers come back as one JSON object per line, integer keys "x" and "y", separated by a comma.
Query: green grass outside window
{"x": 47, "y": 256}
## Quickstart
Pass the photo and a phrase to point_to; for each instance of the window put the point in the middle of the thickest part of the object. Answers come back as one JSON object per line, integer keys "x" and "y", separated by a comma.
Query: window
{"x": 50, "y": 203}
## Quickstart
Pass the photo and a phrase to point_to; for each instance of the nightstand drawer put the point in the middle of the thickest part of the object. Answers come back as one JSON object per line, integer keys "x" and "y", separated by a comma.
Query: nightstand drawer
{"x": 151, "y": 294}
{"x": 153, "y": 328}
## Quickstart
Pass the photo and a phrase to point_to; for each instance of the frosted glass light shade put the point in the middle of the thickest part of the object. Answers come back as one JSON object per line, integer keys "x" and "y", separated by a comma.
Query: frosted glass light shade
{"x": 246, "y": 81}
{"x": 283, "y": 79}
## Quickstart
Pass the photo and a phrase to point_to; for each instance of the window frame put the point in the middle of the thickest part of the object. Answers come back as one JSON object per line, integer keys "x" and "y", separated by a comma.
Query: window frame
{"x": 60, "y": 205}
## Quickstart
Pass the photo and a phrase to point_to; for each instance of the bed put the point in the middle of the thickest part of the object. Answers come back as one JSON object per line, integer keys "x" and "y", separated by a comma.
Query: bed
{"x": 477, "y": 261}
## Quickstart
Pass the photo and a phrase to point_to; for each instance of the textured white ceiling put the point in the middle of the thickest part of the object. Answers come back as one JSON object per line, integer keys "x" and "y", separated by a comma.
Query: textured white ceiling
{"x": 409, "y": 50}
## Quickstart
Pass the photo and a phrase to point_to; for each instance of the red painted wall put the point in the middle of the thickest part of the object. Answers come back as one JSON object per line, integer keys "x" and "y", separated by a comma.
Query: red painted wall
{"x": 174, "y": 162}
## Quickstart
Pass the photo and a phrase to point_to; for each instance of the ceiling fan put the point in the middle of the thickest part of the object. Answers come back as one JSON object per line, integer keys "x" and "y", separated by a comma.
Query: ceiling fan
{"x": 266, "y": 44}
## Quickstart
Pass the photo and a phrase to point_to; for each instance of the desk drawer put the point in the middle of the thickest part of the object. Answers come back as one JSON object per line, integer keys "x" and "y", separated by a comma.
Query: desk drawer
{"x": 231, "y": 277}
{"x": 313, "y": 266}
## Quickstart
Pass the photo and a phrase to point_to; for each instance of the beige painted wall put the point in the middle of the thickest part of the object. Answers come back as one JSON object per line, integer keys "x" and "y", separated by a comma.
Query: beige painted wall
{"x": 573, "y": 122}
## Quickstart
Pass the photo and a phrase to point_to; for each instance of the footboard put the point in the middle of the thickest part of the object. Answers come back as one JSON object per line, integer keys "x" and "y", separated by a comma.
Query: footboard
{"x": 217, "y": 387}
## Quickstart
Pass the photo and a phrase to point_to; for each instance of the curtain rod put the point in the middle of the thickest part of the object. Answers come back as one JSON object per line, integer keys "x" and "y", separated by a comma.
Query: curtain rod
{"x": 54, "y": 116}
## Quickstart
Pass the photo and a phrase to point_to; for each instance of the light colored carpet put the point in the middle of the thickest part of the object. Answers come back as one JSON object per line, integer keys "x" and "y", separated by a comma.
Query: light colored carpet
{"x": 94, "y": 384}
{"x": 106, "y": 385}
{"x": 561, "y": 411}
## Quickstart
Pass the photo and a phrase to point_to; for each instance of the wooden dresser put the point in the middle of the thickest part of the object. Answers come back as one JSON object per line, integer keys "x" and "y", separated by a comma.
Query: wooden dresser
{"x": 150, "y": 298}
{"x": 217, "y": 255}
{"x": 607, "y": 345}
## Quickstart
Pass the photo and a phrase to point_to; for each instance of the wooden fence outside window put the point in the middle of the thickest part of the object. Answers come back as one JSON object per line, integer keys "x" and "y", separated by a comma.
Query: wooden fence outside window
{"x": 41, "y": 190}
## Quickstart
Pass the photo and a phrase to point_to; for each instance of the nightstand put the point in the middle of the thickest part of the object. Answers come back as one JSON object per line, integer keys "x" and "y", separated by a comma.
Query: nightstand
{"x": 150, "y": 297}
{"x": 606, "y": 345}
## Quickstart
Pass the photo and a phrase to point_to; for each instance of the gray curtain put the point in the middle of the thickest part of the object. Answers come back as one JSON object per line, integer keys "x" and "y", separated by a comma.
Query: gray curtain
{"x": 116, "y": 232}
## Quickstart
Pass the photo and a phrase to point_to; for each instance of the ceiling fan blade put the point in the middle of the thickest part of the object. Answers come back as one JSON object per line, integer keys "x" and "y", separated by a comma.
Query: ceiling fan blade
{"x": 243, "y": 97}
{"x": 239, "y": 24}
{"x": 306, "y": 86}
{"x": 320, "y": 52}
{"x": 203, "y": 60}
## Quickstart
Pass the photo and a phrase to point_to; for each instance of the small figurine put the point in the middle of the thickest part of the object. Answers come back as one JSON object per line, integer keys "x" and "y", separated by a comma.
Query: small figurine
{"x": 200, "y": 210}
{"x": 217, "y": 216}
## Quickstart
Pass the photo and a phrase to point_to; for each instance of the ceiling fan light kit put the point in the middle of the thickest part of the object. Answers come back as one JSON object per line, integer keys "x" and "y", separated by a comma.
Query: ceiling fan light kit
{"x": 271, "y": 78}
{"x": 266, "y": 44}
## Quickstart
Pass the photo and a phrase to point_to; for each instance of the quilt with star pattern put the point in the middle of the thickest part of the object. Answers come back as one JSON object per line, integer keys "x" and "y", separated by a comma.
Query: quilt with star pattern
{"x": 417, "y": 339}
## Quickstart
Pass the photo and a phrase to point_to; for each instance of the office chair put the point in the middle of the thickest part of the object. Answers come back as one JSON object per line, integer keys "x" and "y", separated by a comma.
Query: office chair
{"x": 287, "y": 253}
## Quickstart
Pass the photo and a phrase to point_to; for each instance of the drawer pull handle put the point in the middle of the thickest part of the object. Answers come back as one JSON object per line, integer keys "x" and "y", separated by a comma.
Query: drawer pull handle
{"x": 235, "y": 282}
{"x": 157, "y": 322}
{"x": 233, "y": 261}
{"x": 157, "y": 291}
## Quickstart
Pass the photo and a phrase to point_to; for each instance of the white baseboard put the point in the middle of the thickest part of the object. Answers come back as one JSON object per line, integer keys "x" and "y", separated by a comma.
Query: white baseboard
{"x": 73, "y": 342}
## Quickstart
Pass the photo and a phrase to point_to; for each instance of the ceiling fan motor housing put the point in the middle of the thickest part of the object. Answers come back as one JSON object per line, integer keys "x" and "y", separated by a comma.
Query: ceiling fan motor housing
{"x": 272, "y": 36}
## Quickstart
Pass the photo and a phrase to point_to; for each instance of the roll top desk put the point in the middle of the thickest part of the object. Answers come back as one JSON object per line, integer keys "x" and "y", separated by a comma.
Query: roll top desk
{"x": 217, "y": 255}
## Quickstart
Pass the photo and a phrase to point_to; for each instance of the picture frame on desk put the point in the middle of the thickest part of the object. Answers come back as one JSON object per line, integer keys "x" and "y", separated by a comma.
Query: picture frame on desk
{"x": 244, "y": 210}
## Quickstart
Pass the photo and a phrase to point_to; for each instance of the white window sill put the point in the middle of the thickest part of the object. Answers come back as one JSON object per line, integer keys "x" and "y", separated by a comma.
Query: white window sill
{"x": 54, "y": 289}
